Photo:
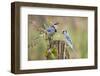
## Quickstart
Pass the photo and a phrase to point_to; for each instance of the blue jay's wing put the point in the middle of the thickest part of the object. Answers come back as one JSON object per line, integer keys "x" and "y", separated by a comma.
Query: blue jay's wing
{"x": 50, "y": 30}
{"x": 68, "y": 39}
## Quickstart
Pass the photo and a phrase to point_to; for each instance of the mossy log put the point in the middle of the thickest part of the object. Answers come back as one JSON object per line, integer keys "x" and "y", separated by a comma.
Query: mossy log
{"x": 62, "y": 51}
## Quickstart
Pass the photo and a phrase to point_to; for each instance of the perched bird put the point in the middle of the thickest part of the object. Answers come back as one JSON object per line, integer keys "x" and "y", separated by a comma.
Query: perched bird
{"x": 52, "y": 29}
{"x": 68, "y": 39}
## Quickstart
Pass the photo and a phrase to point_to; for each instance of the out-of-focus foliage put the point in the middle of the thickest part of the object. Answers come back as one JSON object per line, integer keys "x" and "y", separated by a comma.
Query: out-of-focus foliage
{"x": 37, "y": 40}
{"x": 52, "y": 54}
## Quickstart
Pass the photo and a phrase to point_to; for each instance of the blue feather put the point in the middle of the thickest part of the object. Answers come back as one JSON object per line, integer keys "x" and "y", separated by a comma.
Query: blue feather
{"x": 68, "y": 39}
{"x": 50, "y": 30}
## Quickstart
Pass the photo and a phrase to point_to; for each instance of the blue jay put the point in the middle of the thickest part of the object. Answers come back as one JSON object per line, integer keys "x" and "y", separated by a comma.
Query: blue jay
{"x": 52, "y": 29}
{"x": 68, "y": 39}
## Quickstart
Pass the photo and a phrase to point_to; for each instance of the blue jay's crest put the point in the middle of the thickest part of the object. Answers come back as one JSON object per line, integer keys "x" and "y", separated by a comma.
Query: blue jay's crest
{"x": 64, "y": 31}
{"x": 68, "y": 39}
{"x": 56, "y": 23}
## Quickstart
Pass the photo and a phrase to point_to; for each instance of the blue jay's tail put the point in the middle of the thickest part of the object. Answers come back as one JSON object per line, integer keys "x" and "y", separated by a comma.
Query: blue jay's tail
{"x": 73, "y": 48}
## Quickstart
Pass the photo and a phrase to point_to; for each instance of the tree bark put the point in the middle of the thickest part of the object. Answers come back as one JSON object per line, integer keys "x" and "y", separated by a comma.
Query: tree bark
{"x": 62, "y": 52}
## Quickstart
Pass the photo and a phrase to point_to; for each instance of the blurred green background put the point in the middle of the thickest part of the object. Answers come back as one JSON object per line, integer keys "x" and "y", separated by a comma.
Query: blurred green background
{"x": 76, "y": 26}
